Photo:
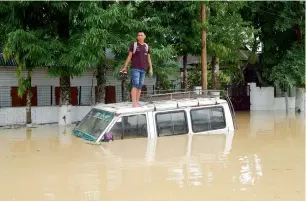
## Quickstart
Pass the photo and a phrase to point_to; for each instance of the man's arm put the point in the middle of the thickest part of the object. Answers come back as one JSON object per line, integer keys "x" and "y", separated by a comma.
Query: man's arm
{"x": 128, "y": 59}
{"x": 149, "y": 61}
{"x": 150, "y": 65}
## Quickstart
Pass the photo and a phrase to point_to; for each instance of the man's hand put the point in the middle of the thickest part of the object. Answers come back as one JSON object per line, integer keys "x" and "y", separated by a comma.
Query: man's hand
{"x": 123, "y": 70}
{"x": 151, "y": 72}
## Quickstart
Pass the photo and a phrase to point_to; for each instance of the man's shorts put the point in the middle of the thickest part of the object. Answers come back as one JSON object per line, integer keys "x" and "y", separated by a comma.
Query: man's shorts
{"x": 137, "y": 77}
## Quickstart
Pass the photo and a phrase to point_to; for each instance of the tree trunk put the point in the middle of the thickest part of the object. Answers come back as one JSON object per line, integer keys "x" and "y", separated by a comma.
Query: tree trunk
{"x": 29, "y": 98}
{"x": 184, "y": 83}
{"x": 215, "y": 72}
{"x": 64, "y": 114}
{"x": 28, "y": 107}
{"x": 286, "y": 101}
{"x": 260, "y": 80}
{"x": 203, "y": 55}
{"x": 158, "y": 85}
{"x": 65, "y": 92}
{"x": 253, "y": 60}
{"x": 101, "y": 81}
{"x": 124, "y": 91}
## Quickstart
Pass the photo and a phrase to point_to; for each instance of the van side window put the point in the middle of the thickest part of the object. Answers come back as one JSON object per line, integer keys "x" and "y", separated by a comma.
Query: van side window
{"x": 217, "y": 118}
{"x": 171, "y": 123}
{"x": 133, "y": 126}
{"x": 205, "y": 119}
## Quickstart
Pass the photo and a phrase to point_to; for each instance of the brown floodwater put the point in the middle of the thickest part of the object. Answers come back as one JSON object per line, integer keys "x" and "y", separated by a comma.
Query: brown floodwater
{"x": 263, "y": 160}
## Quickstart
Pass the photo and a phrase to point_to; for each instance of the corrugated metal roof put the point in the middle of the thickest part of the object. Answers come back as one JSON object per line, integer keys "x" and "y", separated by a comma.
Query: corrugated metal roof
{"x": 12, "y": 62}
{"x": 9, "y": 63}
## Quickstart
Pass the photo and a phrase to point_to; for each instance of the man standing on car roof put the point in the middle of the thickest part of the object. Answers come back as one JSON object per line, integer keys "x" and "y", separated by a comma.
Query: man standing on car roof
{"x": 139, "y": 53}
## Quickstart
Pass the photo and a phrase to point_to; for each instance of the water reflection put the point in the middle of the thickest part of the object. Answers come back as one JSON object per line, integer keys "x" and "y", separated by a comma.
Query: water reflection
{"x": 263, "y": 160}
{"x": 184, "y": 161}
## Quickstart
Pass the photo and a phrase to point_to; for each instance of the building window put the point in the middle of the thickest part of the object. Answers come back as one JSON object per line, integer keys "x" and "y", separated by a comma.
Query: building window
{"x": 206, "y": 119}
{"x": 133, "y": 126}
{"x": 171, "y": 123}
{"x": 22, "y": 101}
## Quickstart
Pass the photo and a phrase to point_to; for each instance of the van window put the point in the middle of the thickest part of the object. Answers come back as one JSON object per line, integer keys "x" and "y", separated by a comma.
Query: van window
{"x": 205, "y": 119}
{"x": 171, "y": 123}
{"x": 133, "y": 126}
{"x": 95, "y": 122}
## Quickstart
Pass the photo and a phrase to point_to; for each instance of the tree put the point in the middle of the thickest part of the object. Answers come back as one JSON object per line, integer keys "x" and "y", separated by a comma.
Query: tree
{"x": 38, "y": 35}
{"x": 227, "y": 34}
{"x": 157, "y": 22}
{"x": 290, "y": 71}
{"x": 66, "y": 19}
{"x": 279, "y": 25}
{"x": 282, "y": 39}
{"x": 102, "y": 24}
{"x": 169, "y": 32}
{"x": 23, "y": 41}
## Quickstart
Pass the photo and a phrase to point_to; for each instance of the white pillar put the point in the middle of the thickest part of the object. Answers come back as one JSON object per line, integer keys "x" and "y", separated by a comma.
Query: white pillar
{"x": 300, "y": 99}
{"x": 64, "y": 115}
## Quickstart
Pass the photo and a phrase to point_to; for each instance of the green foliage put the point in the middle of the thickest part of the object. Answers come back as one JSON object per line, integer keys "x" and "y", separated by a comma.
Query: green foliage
{"x": 27, "y": 47}
{"x": 29, "y": 51}
{"x": 227, "y": 31}
{"x": 194, "y": 78}
{"x": 278, "y": 24}
{"x": 290, "y": 71}
{"x": 35, "y": 34}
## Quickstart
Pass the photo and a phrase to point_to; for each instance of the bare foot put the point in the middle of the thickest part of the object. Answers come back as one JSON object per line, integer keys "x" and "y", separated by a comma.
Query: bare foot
{"x": 136, "y": 105}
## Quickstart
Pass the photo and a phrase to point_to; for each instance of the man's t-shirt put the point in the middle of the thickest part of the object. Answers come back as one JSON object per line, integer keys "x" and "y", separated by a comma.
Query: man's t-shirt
{"x": 140, "y": 58}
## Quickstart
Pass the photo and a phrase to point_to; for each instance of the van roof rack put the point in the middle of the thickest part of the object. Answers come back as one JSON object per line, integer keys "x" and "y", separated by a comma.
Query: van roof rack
{"x": 184, "y": 95}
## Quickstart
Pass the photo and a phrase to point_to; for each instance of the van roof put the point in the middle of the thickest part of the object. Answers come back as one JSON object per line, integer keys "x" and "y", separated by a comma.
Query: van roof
{"x": 126, "y": 107}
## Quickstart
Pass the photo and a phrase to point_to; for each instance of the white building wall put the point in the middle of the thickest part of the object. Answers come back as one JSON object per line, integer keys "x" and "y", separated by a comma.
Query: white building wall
{"x": 7, "y": 76}
{"x": 40, "y": 77}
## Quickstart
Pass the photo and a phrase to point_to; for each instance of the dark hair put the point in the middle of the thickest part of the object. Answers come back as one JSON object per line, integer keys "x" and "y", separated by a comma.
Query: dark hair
{"x": 141, "y": 32}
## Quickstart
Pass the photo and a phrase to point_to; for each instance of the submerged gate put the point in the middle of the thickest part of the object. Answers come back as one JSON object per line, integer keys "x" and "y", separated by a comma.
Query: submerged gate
{"x": 240, "y": 97}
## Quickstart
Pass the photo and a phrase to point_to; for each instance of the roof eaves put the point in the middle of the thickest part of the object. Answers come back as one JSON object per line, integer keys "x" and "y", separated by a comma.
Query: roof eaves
{"x": 8, "y": 63}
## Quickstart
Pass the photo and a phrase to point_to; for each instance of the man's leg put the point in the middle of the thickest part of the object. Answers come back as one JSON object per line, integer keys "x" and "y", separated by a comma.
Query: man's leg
{"x": 141, "y": 80}
{"x": 134, "y": 96}
{"x": 135, "y": 75}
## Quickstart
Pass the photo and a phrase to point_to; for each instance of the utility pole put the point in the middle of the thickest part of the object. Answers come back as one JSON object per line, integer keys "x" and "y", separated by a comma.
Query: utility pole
{"x": 203, "y": 55}
{"x": 184, "y": 71}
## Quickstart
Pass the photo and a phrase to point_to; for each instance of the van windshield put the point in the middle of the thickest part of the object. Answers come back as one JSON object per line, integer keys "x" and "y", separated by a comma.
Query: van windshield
{"x": 95, "y": 122}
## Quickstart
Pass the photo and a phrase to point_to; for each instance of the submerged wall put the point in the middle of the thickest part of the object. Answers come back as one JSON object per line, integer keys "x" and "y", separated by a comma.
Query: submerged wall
{"x": 300, "y": 101}
{"x": 262, "y": 98}
{"x": 40, "y": 115}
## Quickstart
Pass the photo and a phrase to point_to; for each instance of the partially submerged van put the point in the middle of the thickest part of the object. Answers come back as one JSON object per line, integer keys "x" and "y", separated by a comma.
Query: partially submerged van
{"x": 161, "y": 115}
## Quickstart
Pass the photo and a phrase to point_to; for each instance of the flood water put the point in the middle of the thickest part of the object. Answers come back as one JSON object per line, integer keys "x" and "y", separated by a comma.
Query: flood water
{"x": 263, "y": 160}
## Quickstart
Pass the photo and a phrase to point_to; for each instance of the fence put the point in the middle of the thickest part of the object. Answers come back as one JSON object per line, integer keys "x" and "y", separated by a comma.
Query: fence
{"x": 80, "y": 95}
